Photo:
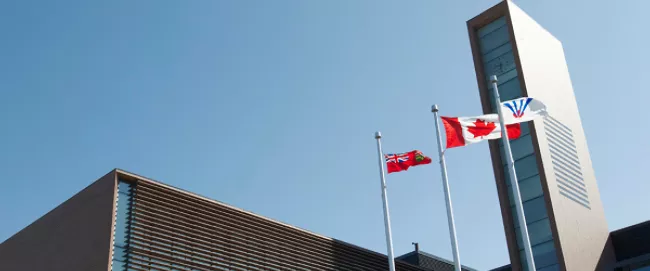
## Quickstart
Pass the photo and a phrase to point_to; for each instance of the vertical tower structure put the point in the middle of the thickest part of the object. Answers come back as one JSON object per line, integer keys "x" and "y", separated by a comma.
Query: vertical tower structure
{"x": 562, "y": 206}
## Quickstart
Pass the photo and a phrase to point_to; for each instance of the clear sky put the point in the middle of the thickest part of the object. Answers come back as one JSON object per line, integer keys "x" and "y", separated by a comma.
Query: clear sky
{"x": 271, "y": 106}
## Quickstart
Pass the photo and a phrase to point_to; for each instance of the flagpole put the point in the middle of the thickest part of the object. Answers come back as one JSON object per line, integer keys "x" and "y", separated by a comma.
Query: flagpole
{"x": 445, "y": 187}
{"x": 513, "y": 178}
{"x": 384, "y": 197}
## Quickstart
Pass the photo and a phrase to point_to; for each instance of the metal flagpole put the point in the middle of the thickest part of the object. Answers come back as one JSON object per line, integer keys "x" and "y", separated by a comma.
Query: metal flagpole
{"x": 445, "y": 187}
{"x": 384, "y": 197}
{"x": 513, "y": 177}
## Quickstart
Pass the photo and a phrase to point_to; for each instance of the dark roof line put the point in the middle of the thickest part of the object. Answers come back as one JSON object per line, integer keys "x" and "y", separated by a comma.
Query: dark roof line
{"x": 638, "y": 225}
{"x": 433, "y": 257}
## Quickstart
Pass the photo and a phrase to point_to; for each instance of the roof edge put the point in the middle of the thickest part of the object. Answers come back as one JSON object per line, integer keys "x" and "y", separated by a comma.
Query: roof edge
{"x": 479, "y": 20}
{"x": 146, "y": 179}
{"x": 438, "y": 258}
{"x": 137, "y": 177}
{"x": 634, "y": 226}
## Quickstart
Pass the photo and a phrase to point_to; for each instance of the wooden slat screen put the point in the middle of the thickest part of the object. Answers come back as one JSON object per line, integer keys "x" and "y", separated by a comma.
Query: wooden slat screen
{"x": 174, "y": 230}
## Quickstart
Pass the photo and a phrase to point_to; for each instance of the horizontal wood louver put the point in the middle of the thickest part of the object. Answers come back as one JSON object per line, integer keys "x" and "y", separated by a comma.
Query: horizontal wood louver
{"x": 175, "y": 230}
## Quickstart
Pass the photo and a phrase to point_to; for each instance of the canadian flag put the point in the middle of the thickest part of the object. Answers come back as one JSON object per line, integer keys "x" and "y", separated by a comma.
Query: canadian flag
{"x": 462, "y": 131}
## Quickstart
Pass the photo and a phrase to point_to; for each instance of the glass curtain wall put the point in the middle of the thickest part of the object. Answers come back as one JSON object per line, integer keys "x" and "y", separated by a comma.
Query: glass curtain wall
{"x": 498, "y": 59}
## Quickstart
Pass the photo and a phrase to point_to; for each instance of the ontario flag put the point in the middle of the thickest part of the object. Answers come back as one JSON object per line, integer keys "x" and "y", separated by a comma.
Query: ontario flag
{"x": 403, "y": 161}
{"x": 463, "y": 131}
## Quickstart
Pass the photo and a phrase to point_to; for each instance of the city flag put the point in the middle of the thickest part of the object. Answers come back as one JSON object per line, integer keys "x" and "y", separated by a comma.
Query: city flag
{"x": 522, "y": 110}
{"x": 463, "y": 131}
{"x": 402, "y": 161}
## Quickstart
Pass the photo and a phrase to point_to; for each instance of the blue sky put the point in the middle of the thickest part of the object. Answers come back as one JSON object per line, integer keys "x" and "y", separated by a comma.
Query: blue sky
{"x": 271, "y": 106}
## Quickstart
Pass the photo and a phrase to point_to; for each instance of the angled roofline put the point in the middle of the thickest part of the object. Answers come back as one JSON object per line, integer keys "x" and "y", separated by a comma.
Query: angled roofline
{"x": 631, "y": 227}
{"x": 135, "y": 177}
{"x": 139, "y": 178}
{"x": 434, "y": 257}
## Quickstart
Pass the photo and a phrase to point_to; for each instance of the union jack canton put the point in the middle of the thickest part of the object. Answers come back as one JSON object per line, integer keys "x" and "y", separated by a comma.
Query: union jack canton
{"x": 397, "y": 158}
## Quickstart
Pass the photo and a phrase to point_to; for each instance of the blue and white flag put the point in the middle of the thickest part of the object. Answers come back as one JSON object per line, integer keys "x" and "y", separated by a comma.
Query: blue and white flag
{"x": 522, "y": 110}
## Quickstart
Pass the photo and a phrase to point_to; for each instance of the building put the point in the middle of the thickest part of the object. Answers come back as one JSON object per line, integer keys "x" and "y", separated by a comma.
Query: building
{"x": 127, "y": 222}
{"x": 562, "y": 206}
{"x": 631, "y": 247}
{"x": 429, "y": 262}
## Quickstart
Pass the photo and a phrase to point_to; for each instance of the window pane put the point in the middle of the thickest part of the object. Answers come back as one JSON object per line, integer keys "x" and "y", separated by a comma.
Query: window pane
{"x": 540, "y": 232}
{"x": 118, "y": 265}
{"x": 489, "y": 28}
{"x": 521, "y": 147}
{"x": 494, "y": 39}
{"x": 510, "y": 90}
{"x": 121, "y": 220}
{"x": 525, "y": 168}
{"x": 525, "y": 130}
{"x": 124, "y": 187}
{"x": 528, "y": 188}
{"x": 544, "y": 254}
{"x": 499, "y": 51}
{"x": 504, "y": 78}
{"x": 501, "y": 64}
{"x": 119, "y": 254}
{"x": 535, "y": 210}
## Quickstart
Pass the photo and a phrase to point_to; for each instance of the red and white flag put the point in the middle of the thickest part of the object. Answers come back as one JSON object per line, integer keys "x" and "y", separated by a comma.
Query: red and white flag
{"x": 403, "y": 161}
{"x": 463, "y": 131}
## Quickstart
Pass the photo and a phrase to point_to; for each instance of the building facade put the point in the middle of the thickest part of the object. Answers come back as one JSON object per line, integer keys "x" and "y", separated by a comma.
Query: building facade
{"x": 631, "y": 247}
{"x": 562, "y": 206}
{"x": 127, "y": 222}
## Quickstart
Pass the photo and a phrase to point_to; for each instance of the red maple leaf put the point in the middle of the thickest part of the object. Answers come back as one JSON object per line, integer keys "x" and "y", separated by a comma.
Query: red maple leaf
{"x": 481, "y": 128}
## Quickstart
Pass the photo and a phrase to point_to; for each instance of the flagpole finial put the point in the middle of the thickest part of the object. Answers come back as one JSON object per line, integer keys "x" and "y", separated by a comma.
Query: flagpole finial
{"x": 493, "y": 79}
{"x": 377, "y": 135}
{"x": 434, "y": 108}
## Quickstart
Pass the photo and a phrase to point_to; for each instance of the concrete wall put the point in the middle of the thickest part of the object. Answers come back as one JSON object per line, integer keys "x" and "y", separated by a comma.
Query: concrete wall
{"x": 75, "y": 236}
{"x": 582, "y": 231}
